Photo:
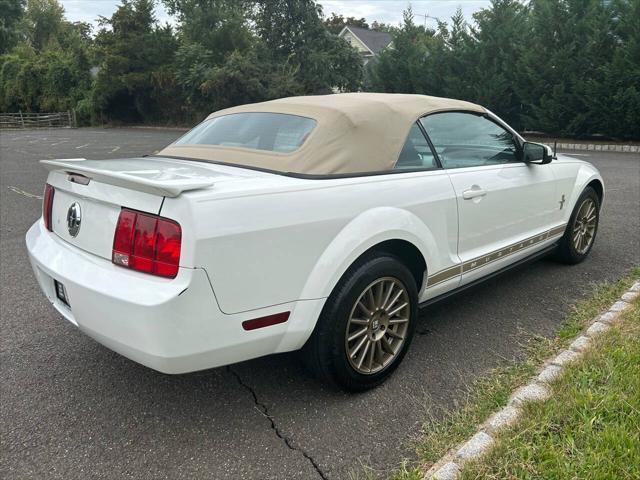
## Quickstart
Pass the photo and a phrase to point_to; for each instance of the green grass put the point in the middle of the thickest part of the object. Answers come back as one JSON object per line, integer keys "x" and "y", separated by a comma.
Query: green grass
{"x": 445, "y": 430}
{"x": 590, "y": 428}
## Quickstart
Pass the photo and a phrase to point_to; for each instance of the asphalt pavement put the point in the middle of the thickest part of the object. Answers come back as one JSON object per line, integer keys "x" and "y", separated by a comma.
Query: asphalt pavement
{"x": 72, "y": 409}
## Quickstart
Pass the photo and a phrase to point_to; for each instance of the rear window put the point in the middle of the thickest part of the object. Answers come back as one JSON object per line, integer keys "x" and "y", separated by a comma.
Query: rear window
{"x": 273, "y": 132}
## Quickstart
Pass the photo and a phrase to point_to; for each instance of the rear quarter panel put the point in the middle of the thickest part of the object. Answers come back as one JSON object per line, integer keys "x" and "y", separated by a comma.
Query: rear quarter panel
{"x": 295, "y": 241}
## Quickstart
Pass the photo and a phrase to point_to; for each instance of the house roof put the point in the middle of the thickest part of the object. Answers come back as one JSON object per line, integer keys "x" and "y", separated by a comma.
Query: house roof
{"x": 355, "y": 133}
{"x": 372, "y": 39}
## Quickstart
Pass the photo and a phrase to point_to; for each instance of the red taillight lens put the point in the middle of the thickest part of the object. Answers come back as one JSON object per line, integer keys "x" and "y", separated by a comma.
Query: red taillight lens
{"x": 123, "y": 239}
{"x": 168, "y": 239}
{"x": 147, "y": 243}
{"x": 47, "y": 205}
{"x": 144, "y": 242}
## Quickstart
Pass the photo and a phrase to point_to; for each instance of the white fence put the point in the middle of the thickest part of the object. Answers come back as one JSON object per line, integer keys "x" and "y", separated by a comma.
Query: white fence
{"x": 38, "y": 120}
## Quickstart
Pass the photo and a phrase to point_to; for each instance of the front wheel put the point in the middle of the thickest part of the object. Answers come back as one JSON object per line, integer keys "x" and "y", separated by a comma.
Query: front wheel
{"x": 581, "y": 231}
{"x": 366, "y": 325}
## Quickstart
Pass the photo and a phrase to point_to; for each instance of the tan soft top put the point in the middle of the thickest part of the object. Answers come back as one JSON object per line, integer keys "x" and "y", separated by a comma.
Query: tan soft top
{"x": 355, "y": 133}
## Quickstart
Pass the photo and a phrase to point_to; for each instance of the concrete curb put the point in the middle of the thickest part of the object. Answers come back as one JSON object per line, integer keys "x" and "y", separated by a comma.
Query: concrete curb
{"x": 450, "y": 465}
{"x": 596, "y": 147}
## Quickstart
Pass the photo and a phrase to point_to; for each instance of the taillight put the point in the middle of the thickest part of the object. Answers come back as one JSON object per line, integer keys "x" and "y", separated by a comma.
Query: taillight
{"x": 47, "y": 205}
{"x": 147, "y": 243}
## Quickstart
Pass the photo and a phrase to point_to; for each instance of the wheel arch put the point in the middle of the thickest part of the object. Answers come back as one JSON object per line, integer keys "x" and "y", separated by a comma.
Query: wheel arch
{"x": 586, "y": 175}
{"x": 407, "y": 253}
{"x": 598, "y": 186}
{"x": 386, "y": 229}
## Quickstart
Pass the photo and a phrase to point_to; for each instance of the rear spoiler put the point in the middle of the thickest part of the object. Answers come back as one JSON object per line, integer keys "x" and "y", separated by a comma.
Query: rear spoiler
{"x": 171, "y": 184}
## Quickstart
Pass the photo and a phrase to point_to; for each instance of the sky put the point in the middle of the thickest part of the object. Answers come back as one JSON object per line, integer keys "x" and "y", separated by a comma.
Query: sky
{"x": 386, "y": 11}
{"x": 390, "y": 11}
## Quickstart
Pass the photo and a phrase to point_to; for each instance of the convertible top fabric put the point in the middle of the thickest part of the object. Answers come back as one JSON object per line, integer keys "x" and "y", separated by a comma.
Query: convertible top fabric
{"x": 355, "y": 133}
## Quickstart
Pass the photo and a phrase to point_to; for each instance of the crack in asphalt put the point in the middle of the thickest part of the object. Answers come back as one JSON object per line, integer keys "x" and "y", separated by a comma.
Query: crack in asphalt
{"x": 265, "y": 411}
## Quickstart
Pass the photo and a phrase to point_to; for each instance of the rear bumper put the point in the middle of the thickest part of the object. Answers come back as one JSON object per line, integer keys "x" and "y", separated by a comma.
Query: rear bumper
{"x": 173, "y": 326}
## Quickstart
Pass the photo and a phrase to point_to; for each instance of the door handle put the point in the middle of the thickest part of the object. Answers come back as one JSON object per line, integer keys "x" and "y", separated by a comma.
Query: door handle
{"x": 473, "y": 192}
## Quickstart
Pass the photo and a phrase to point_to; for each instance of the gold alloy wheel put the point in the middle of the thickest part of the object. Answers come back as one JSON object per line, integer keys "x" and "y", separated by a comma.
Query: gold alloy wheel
{"x": 378, "y": 325}
{"x": 584, "y": 227}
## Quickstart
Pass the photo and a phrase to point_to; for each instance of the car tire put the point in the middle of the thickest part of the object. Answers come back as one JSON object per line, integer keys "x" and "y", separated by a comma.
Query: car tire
{"x": 581, "y": 230}
{"x": 381, "y": 285}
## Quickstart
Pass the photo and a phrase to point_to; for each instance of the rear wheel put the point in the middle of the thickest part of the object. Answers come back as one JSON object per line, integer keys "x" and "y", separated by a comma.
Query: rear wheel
{"x": 581, "y": 231}
{"x": 366, "y": 325}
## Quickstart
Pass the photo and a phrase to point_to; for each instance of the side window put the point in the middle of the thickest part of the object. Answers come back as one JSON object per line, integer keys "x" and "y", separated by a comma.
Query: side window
{"x": 416, "y": 152}
{"x": 469, "y": 140}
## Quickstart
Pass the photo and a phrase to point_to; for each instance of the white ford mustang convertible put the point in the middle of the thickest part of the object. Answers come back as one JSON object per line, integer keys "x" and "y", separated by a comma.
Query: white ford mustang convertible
{"x": 316, "y": 223}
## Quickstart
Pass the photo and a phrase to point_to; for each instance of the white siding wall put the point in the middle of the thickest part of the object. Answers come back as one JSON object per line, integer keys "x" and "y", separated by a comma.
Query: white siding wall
{"x": 357, "y": 44}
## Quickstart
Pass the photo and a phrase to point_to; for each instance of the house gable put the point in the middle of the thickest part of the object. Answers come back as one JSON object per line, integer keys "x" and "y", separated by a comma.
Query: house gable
{"x": 355, "y": 41}
{"x": 368, "y": 42}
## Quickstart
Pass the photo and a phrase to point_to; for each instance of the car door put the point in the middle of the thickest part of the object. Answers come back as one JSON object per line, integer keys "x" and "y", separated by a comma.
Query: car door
{"x": 432, "y": 201}
{"x": 505, "y": 206}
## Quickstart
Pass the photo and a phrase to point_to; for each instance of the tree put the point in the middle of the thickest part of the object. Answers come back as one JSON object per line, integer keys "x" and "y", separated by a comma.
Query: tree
{"x": 335, "y": 23}
{"x": 566, "y": 67}
{"x": 449, "y": 60}
{"x": 220, "y": 26}
{"x": 49, "y": 69}
{"x": 293, "y": 34}
{"x": 11, "y": 12}
{"x": 52, "y": 80}
{"x": 134, "y": 54}
{"x": 210, "y": 33}
{"x": 404, "y": 68}
{"x": 614, "y": 92}
{"x": 568, "y": 43}
{"x": 246, "y": 78}
{"x": 382, "y": 27}
{"x": 498, "y": 44}
{"x": 43, "y": 22}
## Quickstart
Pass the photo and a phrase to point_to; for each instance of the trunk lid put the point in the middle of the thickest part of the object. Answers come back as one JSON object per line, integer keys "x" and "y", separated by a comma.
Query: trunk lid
{"x": 93, "y": 192}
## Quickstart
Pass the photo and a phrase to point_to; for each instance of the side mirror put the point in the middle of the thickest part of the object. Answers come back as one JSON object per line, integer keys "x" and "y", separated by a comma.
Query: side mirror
{"x": 536, "y": 153}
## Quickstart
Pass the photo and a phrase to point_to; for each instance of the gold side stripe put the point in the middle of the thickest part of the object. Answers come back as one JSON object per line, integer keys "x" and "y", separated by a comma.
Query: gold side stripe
{"x": 470, "y": 265}
{"x": 444, "y": 275}
{"x": 558, "y": 230}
